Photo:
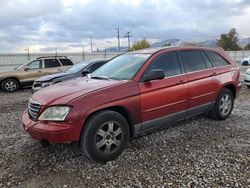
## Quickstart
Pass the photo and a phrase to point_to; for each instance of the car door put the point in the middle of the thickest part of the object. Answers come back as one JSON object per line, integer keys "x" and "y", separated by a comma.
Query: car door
{"x": 202, "y": 78}
{"x": 52, "y": 66}
{"x": 163, "y": 100}
{"x": 66, "y": 63}
{"x": 30, "y": 72}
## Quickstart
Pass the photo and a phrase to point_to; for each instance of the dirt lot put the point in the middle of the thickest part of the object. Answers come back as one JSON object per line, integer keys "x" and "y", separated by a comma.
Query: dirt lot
{"x": 197, "y": 152}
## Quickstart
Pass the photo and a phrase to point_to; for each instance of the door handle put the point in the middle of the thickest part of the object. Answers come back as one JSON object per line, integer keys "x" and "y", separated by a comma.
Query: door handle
{"x": 180, "y": 82}
{"x": 213, "y": 74}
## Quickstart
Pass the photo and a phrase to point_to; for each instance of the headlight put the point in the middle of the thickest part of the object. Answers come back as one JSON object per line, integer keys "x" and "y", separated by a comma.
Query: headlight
{"x": 55, "y": 113}
{"x": 45, "y": 84}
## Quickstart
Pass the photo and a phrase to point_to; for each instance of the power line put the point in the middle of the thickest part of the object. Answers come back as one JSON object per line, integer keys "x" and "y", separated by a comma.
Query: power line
{"x": 128, "y": 36}
{"x": 118, "y": 37}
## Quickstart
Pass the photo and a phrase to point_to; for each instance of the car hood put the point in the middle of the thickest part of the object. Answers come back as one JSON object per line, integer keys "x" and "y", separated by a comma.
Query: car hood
{"x": 53, "y": 76}
{"x": 64, "y": 92}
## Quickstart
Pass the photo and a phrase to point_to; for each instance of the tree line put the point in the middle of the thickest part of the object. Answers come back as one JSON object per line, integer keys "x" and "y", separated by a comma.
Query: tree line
{"x": 228, "y": 41}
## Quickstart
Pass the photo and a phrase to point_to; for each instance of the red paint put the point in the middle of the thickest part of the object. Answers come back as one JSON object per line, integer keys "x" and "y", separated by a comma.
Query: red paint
{"x": 143, "y": 101}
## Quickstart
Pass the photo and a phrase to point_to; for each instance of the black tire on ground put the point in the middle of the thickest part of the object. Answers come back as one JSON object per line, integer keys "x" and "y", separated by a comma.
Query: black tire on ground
{"x": 223, "y": 106}
{"x": 248, "y": 86}
{"x": 104, "y": 136}
{"x": 10, "y": 85}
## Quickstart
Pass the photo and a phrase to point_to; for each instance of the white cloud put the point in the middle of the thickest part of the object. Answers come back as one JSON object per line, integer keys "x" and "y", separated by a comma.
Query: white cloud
{"x": 61, "y": 23}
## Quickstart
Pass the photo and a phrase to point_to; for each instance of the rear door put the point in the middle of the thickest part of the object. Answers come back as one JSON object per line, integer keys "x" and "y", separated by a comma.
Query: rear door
{"x": 66, "y": 63}
{"x": 202, "y": 78}
{"x": 164, "y": 100}
{"x": 52, "y": 66}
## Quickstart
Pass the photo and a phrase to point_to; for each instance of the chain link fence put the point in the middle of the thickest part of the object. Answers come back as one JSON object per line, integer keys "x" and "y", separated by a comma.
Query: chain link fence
{"x": 9, "y": 61}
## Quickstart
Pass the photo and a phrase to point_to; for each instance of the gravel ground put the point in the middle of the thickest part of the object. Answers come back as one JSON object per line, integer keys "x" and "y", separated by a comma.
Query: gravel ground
{"x": 197, "y": 152}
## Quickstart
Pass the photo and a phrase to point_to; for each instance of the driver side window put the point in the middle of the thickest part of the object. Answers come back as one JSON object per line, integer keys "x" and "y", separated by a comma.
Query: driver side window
{"x": 168, "y": 62}
{"x": 35, "y": 65}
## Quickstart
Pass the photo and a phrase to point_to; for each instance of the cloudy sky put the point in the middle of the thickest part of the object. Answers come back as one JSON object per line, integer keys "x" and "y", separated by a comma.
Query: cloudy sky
{"x": 43, "y": 25}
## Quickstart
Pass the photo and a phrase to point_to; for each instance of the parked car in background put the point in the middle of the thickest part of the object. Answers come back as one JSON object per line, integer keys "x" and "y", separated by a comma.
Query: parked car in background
{"x": 131, "y": 94}
{"x": 246, "y": 62}
{"x": 24, "y": 75}
{"x": 247, "y": 78}
{"x": 77, "y": 70}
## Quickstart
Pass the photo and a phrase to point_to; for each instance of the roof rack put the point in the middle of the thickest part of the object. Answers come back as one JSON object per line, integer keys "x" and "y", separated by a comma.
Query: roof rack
{"x": 50, "y": 57}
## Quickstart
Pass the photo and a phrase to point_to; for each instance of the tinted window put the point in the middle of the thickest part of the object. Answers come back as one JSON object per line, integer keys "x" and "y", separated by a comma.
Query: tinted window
{"x": 208, "y": 62}
{"x": 66, "y": 62}
{"x": 217, "y": 59}
{"x": 168, "y": 63}
{"x": 193, "y": 60}
{"x": 35, "y": 65}
{"x": 95, "y": 66}
{"x": 50, "y": 63}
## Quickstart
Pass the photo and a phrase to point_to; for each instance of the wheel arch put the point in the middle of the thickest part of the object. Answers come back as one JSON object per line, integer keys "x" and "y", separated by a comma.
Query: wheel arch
{"x": 232, "y": 88}
{"x": 120, "y": 109}
{"x": 11, "y": 77}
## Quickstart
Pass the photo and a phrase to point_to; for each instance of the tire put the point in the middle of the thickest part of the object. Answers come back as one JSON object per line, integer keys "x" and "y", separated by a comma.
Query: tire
{"x": 10, "y": 85}
{"x": 104, "y": 136}
{"x": 223, "y": 106}
{"x": 248, "y": 86}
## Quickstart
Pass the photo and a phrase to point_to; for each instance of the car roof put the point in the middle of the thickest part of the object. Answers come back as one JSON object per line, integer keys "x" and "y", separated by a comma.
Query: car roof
{"x": 155, "y": 50}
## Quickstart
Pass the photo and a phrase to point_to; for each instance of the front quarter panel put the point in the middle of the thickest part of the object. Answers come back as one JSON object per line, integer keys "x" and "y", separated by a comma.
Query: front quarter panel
{"x": 125, "y": 95}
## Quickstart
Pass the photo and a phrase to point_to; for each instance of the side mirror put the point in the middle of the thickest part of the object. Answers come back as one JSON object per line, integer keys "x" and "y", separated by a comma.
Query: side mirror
{"x": 26, "y": 68}
{"x": 85, "y": 72}
{"x": 154, "y": 74}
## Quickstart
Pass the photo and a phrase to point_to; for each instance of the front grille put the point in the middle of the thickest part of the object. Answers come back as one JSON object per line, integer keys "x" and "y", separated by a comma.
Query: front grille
{"x": 37, "y": 84}
{"x": 33, "y": 109}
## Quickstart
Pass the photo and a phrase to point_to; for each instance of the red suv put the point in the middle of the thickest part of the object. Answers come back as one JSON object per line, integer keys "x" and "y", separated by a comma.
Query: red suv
{"x": 133, "y": 93}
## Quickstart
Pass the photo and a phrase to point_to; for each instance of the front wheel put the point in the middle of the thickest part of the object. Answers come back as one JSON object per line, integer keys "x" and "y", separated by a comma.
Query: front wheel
{"x": 105, "y": 136}
{"x": 223, "y": 106}
{"x": 10, "y": 85}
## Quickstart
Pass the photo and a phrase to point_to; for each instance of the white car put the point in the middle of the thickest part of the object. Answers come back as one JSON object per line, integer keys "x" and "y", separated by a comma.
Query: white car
{"x": 247, "y": 78}
{"x": 246, "y": 61}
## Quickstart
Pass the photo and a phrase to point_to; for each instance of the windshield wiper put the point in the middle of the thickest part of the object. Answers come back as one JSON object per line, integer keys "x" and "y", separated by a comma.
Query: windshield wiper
{"x": 100, "y": 77}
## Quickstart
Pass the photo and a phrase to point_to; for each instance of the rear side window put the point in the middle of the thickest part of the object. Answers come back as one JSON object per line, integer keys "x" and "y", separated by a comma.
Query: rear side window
{"x": 51, "y": 63}
{"x": 66, "y": 62}
{"x": 217, "y": 59}
{"x": 168, "y": 62}
{"x": 208, "y": 62}
{"x": 95, "y": 66}
{"x": 193, "y": 60}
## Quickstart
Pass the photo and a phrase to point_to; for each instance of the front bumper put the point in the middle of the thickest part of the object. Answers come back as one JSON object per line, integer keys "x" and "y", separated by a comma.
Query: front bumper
{"x": 247, "y": 79}
{"x": 53, "y": 132}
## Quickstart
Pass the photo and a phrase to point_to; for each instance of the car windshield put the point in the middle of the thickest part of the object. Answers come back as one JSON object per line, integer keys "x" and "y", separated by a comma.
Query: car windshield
{"x": 123, "y": 67}
{"x": 77, "y": 67}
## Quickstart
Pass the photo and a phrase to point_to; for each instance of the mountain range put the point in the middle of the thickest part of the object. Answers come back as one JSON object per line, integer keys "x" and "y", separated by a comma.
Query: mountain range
{"x": 178, "y": 42}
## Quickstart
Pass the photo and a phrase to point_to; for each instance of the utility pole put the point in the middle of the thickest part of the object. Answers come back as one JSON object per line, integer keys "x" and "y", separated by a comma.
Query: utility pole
{"x": 91, "y": 43}
{"x": 128, "y": 36}
{"x": 28, "y": 50}
{"x": 56, "y": 50}
{"x": 118, "y": 37}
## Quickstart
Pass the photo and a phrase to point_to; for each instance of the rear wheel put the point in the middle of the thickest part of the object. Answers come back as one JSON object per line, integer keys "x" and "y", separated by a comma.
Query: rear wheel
{"x": 10, "y": 85}
{"x": 223, "y": 106}
{"x": 105, "y": 136}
